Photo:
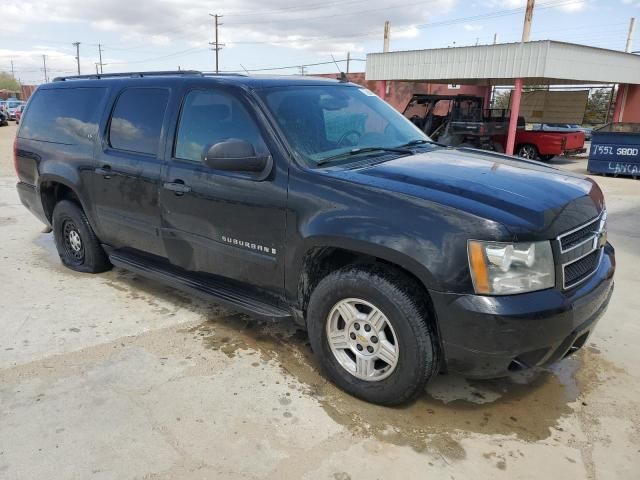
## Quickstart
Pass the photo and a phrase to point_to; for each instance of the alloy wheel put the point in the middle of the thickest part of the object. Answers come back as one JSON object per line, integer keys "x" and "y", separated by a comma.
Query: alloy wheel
{"x": 362, "y": 339}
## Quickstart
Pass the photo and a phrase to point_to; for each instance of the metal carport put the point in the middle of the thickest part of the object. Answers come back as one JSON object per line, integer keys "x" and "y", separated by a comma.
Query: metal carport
{"x": 544, "y": 62}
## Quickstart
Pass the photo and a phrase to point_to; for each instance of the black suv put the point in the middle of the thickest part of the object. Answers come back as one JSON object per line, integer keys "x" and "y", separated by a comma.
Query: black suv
{"x": 314, "y": 200}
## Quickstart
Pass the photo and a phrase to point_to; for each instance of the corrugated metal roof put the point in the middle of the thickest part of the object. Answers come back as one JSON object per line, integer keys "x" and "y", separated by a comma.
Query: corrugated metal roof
{"x": 540, "y": 62}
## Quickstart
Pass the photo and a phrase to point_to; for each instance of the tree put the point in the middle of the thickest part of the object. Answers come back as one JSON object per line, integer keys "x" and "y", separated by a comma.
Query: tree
{"x": 502, "y": 99}
{"x": 598, "y": 106}
{"x": 8, "y": 82}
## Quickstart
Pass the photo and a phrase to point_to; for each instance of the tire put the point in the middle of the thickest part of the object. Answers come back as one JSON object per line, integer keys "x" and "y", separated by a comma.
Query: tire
{"x": 405, "y": 330}
{"x": 528, "y": 151}
{"x": 77, "y": 244}
{"x": 497, "y": 147}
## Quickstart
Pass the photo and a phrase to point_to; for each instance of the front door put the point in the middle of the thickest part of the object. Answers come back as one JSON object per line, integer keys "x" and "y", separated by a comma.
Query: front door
{"x": 223, "y": 223}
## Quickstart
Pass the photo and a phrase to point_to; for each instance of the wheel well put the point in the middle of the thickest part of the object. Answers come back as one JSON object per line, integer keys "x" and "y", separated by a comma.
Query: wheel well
{"x": 321, "y": 261}
{"x": 52, "y": 193}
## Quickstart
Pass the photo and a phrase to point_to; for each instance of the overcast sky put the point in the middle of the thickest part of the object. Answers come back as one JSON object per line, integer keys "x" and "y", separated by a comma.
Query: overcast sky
{"x": 167, "y": 34}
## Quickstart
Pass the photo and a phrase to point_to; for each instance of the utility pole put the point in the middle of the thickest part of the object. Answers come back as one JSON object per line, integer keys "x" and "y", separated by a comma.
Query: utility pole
{"x": 495, "y": 38}
{"x": 632, "y": 27}
{"x": 528, "y": 18}
{"x": 348, "y": 61}
{"x": 216, "y": 44}
{"x": 96, "y": 64}
{"x": 302, "y": 70}
{"x": 383, "y": 86}
{"x": 12, "y": 72}
{"x": 44, "y": 68}
{"x": 100, "y": 57}
{"x": 77, "y": 45}
{"x": 387, "y": 31}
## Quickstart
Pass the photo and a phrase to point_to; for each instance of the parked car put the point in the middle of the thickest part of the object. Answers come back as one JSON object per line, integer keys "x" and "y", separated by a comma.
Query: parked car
{"x": 564, "y": 127}
{"x": 18, "y": 113}
{"x": 586, "y": 130}
{"x": 12, "y": 106}
{"x": 4, "y": 116}
{"x": 314, "y": 200}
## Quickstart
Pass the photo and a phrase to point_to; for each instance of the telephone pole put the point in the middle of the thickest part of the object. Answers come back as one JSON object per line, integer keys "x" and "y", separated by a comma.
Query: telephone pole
{"x": 12, "y": 72}
{"x": 302, "y": 70}
{"x": 632, "y": 27}
{"x": 44, "y": 68}
{"x": 387, "y": 32}
{"x": 100, "y": 57}
{"x": 528, "y": 18}
{"x": 216, "y": 45}
{"x": 77, "y": 45}
{"x": 348, "y": 61}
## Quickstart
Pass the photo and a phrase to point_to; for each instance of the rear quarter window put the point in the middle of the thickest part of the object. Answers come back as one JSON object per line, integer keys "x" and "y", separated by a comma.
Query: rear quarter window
{"x": 63, "y": 115}
{"x": 137, "y": 120}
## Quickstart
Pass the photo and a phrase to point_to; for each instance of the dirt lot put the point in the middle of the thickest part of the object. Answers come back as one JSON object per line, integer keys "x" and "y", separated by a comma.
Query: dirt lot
{"x": 114, "y": 377}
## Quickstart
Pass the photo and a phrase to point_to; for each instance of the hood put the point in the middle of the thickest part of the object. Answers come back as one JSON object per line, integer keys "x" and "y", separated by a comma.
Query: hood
{"x": 522, "y": 195}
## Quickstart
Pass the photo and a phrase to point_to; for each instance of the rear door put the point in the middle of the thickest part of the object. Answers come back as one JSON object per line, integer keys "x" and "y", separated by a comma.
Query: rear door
{"x": 224, "y": 223}
{"x": 128, "y": 167}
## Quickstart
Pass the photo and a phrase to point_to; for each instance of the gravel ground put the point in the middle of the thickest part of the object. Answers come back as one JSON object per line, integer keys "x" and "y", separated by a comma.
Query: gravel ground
{"x": 111, "y": 376}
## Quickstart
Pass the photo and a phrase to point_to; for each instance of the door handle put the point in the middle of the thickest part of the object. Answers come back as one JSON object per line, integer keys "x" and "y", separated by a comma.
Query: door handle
{"x": 178, "y": 187}
{"x": 105, "y": 171}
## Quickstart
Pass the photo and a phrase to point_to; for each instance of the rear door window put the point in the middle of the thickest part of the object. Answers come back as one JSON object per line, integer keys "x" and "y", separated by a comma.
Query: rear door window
{"x": 63, "y": 115}
{"x": 137, "y": 120}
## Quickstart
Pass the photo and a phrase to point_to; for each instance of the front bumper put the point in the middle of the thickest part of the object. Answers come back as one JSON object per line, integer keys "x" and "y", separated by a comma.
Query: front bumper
{"x": 486, "y": 337}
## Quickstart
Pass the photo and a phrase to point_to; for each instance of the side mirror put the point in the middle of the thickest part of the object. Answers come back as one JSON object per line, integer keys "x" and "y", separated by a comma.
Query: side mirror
{"x": 235, "y": 155}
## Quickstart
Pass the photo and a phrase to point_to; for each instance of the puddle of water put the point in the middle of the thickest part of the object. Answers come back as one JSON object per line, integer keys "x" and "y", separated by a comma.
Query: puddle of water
{"x": 526, "y": 406}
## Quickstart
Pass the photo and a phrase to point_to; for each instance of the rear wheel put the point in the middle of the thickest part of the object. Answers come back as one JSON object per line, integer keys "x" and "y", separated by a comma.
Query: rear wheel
{"x": 371, "y": 334}
{"x": 528, "y": 150}
{"x": 77, "y": 245}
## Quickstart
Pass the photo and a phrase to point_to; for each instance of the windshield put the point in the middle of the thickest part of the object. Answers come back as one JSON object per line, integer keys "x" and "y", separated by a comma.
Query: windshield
{"x": 323, "y": 122}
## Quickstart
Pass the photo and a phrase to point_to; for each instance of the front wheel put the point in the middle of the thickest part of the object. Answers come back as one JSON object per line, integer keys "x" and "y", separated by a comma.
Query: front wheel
{"x": 529, "y": 151}
{"x": 370, "y": 331}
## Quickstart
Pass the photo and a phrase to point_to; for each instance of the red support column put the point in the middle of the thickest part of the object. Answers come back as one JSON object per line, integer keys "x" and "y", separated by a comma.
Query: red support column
{"x": 513, "y": 121}
{"x": 621, "y": 98}
{"x": 382, "y": 88}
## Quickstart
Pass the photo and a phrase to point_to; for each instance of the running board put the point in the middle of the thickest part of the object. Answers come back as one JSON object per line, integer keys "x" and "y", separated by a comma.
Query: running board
{"x": 215, "y": 291}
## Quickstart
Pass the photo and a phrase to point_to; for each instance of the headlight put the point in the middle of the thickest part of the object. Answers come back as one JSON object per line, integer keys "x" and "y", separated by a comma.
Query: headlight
{"x": 509, "y": 268}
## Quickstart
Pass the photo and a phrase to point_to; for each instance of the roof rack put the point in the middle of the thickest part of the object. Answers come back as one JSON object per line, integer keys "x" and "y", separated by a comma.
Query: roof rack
{"x": 224, "y": 74}
{"x": 127, "y": 75}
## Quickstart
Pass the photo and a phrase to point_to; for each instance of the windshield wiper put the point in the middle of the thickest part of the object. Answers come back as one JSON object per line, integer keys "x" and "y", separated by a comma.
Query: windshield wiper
{"x": 420, "y": 141}
{"x": 358, "y": 151}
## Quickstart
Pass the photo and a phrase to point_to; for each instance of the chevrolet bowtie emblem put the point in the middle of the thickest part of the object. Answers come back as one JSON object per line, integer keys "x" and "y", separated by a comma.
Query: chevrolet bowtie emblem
{"x": 601, "y": 238}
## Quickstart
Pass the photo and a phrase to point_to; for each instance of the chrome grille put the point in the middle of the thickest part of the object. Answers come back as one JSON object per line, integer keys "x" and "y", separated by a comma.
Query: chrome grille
{"x": 581, "y": 251}
{"x": 578, "y": 237}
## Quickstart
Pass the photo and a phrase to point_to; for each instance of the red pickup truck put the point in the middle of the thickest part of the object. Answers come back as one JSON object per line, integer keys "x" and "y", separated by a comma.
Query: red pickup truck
{"x": 544, "y": 145}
